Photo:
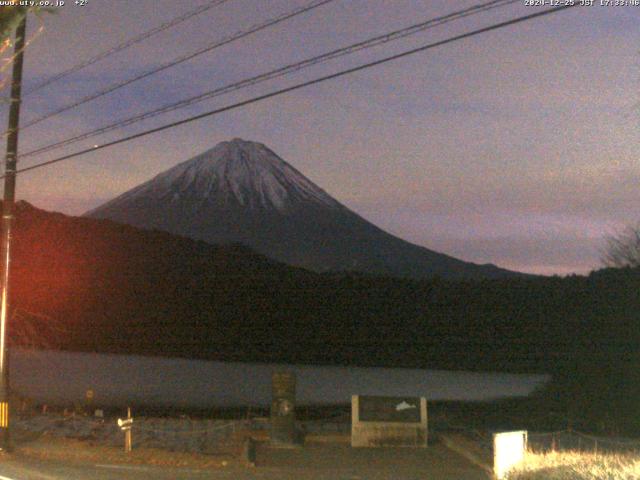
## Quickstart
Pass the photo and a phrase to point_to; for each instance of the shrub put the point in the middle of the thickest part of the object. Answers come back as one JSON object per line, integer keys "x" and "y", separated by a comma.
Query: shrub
{"x": 572, "y": 465}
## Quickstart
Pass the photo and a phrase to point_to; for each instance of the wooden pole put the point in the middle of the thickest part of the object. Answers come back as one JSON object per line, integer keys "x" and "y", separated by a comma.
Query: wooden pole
{"x": 127, "y": 433}
{"x": 7, "y": 222}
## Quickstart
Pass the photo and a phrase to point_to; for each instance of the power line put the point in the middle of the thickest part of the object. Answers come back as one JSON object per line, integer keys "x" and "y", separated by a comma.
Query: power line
{"x": 303, "y": 85}
{"x": 279, "y": 72}
{"x": 237, "y": 36}
{"x": 126, "y": 44}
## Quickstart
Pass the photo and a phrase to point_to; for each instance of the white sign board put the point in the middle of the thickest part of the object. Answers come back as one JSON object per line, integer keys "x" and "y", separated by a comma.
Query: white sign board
{"x": 508, "y": 451}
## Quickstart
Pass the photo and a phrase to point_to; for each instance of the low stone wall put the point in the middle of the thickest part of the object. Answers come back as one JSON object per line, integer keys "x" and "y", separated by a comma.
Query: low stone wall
{"x": 173, "y": 434}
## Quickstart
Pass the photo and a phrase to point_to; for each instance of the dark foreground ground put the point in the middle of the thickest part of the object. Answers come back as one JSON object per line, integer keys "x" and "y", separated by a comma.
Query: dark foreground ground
{"x": 330, "y": 461}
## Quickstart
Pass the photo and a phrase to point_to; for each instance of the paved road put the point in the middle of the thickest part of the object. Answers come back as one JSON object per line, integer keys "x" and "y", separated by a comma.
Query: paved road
{"x": 29, "y": 469}
{"x": 327, "y": 463}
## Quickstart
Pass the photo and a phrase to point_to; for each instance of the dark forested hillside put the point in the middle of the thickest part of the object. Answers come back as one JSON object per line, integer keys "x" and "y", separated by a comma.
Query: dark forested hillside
{"x": 85, "y": 284}
{"x": 97, "y": 285}
{"x": 241, "y": 191}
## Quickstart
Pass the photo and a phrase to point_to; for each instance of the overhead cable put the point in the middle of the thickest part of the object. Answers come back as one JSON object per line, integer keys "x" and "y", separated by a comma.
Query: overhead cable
{"x": 126, "y": 44}
{"x": 303, "y": 85}
{"x": 279, "y": 72}
{"x": 217, "y": 44}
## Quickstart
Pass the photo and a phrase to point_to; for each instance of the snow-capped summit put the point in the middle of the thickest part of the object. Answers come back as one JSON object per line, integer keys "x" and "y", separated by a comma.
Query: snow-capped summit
{"x": 242, "y": 192}
{"x": 239, "y": 172}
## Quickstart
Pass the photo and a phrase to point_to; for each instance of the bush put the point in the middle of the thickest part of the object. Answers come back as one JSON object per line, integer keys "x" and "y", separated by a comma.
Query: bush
{"x": 572, "y": 465}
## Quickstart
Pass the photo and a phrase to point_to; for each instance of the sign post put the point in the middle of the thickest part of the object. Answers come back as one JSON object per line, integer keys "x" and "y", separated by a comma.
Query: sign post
{"x": 125, "y": 425}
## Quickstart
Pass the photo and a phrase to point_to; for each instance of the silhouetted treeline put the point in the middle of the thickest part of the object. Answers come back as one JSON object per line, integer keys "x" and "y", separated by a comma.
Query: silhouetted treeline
{"x": 84, "y": 284}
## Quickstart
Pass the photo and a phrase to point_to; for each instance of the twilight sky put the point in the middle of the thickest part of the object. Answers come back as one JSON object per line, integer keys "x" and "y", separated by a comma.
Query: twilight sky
{"x": 518, "y": 147}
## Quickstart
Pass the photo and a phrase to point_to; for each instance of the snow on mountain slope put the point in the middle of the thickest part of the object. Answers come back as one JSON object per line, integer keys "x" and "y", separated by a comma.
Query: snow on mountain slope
{"x": 245, "y": 173}
{"x": 242, "y": 192}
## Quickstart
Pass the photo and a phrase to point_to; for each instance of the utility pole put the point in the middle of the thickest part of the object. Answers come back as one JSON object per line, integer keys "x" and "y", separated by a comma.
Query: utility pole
{"x": 7, "y": 221}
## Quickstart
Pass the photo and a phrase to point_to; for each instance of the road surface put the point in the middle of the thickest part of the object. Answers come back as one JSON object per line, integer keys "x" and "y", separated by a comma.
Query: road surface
{"x": 18, "y": 468}
{"x": 314, "y": 463}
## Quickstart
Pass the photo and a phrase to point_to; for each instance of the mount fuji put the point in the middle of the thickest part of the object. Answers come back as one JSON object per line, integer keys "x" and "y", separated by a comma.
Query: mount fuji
{"x": 242, "y": 192}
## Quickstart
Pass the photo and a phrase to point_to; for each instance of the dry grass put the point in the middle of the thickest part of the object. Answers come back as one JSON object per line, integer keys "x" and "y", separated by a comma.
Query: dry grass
{"x": 572, "y": 465}
{"x": 77, "y": 451}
